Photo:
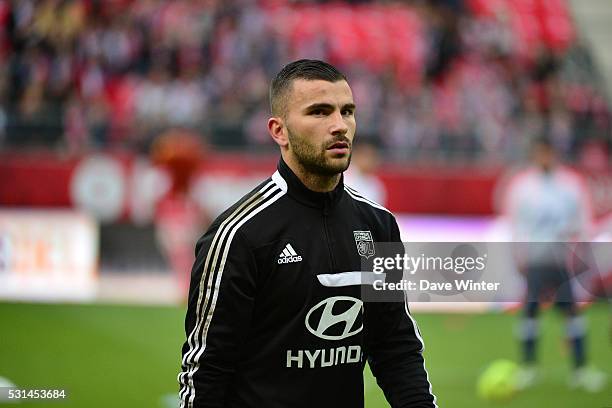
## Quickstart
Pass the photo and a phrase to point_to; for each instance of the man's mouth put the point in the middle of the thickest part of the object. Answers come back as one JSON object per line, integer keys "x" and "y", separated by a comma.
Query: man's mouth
{"x": 339, "y": 148}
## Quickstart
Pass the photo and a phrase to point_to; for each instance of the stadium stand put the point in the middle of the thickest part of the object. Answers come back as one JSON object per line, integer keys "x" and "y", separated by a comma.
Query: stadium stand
{"x": 457, "y": 80}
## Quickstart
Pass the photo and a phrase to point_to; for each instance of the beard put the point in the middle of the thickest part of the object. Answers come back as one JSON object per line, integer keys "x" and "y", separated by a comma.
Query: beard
{"x": 313, "y": 158}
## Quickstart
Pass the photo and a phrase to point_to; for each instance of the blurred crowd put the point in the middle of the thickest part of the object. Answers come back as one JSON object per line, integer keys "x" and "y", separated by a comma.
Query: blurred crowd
{"x": 432, "y": 79}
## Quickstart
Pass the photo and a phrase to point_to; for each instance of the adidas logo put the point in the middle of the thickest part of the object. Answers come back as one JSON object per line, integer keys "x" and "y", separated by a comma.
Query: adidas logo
{"x": 288, "y": 255}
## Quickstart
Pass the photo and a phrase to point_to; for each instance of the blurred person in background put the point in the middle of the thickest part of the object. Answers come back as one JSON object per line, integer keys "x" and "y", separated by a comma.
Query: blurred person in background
{"x": 547, "y": 206}
{"x": 361, "y": 176}
{"x": 178, "y": 218}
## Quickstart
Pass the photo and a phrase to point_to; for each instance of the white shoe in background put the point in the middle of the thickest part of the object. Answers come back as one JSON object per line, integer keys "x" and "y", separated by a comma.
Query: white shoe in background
{"x": 527, "y": 377}
{"x": 589, "y": 379}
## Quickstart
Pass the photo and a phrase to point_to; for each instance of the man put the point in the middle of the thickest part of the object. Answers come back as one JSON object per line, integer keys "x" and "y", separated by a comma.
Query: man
{"x": 271, "y": 320}
{"x": 547, "y": 207}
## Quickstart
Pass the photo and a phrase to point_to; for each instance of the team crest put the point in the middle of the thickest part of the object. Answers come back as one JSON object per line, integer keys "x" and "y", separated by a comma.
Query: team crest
{"x": 365, "y": 243}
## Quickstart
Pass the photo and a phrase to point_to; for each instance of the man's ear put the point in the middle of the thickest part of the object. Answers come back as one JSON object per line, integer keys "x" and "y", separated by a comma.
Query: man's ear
{"x": 276, "y": 128}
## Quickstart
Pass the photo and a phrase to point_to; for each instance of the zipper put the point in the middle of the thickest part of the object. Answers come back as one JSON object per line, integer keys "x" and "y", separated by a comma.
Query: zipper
{"x": 327, "y": 239}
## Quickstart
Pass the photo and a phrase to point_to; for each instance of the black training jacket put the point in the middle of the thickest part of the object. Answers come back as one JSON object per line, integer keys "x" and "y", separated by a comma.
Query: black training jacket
{"x": 272, "y": 323}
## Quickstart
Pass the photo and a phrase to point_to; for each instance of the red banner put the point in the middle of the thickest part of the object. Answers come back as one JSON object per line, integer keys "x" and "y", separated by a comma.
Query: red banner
{"x": 127, "y": 187}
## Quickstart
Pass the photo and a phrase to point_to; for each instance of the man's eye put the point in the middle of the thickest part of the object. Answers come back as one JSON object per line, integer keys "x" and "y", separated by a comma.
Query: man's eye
{"x": 317, "y": 112}
{"x": 347, "y": 112}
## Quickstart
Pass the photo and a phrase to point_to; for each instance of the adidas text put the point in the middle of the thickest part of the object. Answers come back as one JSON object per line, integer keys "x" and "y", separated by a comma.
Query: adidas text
{"x": 289, "y": 259}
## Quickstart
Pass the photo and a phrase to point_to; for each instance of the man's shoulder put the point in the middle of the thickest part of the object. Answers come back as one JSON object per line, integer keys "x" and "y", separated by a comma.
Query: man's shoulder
{"x": 372, "y": 211}
{"x": 251, "y": 204}
{"x": 361, "y": 201}
{"x": 258, "y": 207}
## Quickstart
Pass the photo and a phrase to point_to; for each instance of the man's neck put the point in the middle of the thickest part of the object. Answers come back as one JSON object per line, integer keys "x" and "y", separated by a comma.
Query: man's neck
{"x": 315, "y": 182}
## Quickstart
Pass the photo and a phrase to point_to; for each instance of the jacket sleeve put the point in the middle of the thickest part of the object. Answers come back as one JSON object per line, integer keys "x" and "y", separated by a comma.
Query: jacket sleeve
{"x": 219, "y": 311}
{"x": 395, "y": 351}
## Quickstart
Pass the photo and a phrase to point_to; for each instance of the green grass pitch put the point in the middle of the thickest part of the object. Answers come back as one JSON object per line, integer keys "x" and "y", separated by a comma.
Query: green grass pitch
{"x": 127, "y": 356}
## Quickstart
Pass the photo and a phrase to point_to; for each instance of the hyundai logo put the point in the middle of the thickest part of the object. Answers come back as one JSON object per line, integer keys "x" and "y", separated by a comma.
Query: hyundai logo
{"x": 322, "y": 322}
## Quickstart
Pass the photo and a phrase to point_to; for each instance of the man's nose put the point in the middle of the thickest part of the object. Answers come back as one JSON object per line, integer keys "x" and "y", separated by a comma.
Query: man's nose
{"x": 338, "y": 126}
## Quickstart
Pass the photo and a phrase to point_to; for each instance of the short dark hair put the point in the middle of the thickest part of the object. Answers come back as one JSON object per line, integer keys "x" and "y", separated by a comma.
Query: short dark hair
{"x": 307, "y": 69}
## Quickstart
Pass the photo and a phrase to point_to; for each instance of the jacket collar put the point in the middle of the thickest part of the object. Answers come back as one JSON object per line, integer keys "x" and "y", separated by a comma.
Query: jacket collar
{"x": 298, "y": 191}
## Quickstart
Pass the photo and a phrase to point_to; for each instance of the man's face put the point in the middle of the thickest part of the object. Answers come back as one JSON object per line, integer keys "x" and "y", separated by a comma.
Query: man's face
{"x": 544, "y": 157}
{"x": 320, "y": 122}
